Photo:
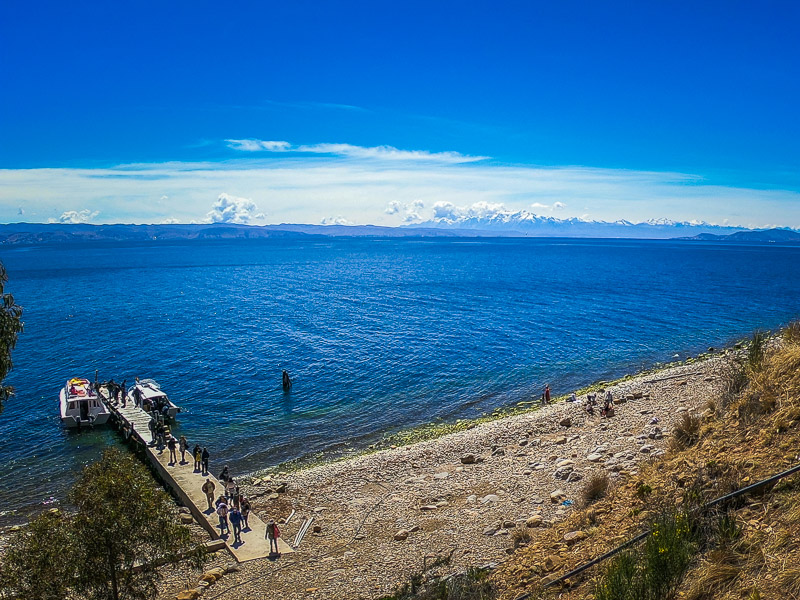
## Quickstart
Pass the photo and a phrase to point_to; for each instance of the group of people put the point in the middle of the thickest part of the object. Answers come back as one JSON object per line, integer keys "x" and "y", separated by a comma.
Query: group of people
{"x": 233, "y": 510}
{"x": 608, "y": 404}
{"x": 590, "y": 406}
{"x": 232, "y": 507}
{"x": 117, "y": 391}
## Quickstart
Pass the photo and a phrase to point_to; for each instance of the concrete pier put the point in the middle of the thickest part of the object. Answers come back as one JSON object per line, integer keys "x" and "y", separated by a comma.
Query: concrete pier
{"x": 185, "y": 483}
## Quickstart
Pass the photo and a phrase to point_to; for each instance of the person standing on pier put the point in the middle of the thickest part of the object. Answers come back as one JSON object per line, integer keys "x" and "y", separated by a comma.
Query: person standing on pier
{"x": 205, "y": 457}
{"x": 183, "y": 445}
{"x": 208, "y": 490}
{"x": 151, "y": 425}
{"x": 236, "y": 520}
{"x": 224, "y": 475}
{"x": 197, "y": 453}
{"x": 173, "y": 454}
{"x": 122, "y": 389}
{"x": 222, "y": 513}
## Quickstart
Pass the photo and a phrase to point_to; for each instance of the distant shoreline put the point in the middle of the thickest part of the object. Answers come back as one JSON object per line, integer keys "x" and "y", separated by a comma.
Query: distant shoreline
{"x": 48, "y": 234}
{"x": 432, "y": 431}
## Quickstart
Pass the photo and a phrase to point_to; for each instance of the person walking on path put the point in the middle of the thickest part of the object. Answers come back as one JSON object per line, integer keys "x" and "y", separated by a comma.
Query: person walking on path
{"x": 222, "y": 513}
{"x": 183, "y": 445}
{"x": 205, "y": 456}
{"x": 236, "y": 520}
{"x": 273, "y": 533}
{"x": 609, "y": 398}
{"x": 208, "y": 490}
{"x": 246, "y": 512}
{"x": 122, "y": 390}
{"x": 197, "y": 453}
{"x": 173, "y": 454}
{"x": 547, "y": 394}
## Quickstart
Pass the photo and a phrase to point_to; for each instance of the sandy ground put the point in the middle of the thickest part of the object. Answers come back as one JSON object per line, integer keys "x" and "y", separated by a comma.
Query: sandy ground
{"x": 426, "y": 494}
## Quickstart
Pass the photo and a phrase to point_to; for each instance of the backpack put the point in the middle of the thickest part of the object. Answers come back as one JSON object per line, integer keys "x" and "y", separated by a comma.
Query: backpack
{"x": 222, "y": 510}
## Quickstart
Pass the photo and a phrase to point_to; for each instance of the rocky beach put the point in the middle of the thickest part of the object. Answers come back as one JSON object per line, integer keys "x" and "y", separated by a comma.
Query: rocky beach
{"x": 381, "y": 517}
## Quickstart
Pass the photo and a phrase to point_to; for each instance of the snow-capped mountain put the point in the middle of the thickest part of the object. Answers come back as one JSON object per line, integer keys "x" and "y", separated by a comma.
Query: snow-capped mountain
{"x": 525, "y": 223}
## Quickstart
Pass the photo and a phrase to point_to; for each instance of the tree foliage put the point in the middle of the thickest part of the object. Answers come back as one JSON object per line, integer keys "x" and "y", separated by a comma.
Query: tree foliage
{"x": 36, "y": 565}
{"x": 10, "y": 328}
{"x": 110, "y": 549}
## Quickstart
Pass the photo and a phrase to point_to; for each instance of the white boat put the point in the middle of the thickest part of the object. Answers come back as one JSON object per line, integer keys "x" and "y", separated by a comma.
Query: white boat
{"x": 80, "y": 405}
{"x": 151, "y": 394}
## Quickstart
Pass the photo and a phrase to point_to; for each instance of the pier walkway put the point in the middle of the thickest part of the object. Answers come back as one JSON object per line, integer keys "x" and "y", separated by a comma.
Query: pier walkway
{"x": 186, "y": 483}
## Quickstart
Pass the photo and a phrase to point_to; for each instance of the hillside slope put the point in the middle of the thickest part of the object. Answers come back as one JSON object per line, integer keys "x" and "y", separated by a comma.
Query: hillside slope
{"x": 751, "y": 549}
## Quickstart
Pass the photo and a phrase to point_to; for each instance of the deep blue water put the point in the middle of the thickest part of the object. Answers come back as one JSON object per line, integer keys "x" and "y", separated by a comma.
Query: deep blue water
{"x": 377, "y": 334}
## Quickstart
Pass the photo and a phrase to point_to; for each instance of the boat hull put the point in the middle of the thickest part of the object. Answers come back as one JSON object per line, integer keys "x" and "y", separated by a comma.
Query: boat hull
{"x": 70, "y": 421}
{"x": 82, "y": 411}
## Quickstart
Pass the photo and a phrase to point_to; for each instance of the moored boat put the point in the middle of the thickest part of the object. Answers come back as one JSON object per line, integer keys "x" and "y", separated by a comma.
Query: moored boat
{"x": 153, "y": 397}
{"x": 81, "y": 405}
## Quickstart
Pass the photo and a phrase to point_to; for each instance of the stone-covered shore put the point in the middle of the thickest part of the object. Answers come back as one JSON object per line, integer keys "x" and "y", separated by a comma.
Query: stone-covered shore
{"x": 379, "y": 517}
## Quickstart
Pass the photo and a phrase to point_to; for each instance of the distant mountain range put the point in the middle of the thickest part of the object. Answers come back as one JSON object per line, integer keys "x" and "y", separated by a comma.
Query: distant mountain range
{"x": 518, "y": 224}
{"x": 524, "y": 223}
{"x": 774, "y": 236}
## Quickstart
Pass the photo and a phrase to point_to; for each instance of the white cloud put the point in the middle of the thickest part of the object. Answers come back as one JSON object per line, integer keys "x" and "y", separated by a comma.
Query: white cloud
{"x": 352, "y": 151}
{"x": 448, "y": 211}
{"x": 392, "y": 208}
{"x": 411, "y": 210}
{"x": 557, "y": 205}
{"x": 306, "y": 188}
{"x": 340, "y": 220}
{"x": 20, "y": 211}
{"x": 74, "y": 216}
{"x": 170, "y": 221}
{"x": 258, "y": 145}
{"x": 232, "y": 209}
{"x": 164, "y": 198}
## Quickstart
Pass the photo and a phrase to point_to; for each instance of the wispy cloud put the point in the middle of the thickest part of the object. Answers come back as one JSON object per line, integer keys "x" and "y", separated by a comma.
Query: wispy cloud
{"x": 352, "y": 151}
{"x": 336, "y": 182}
{"x": 258, "y": 146}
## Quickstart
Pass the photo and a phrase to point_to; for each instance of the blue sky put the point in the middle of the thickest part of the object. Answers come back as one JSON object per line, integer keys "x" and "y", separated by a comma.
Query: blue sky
{"x": 291, "y": 111}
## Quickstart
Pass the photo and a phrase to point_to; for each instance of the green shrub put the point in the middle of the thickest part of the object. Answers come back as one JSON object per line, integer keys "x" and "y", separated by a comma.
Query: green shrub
{"x": 474, "y": 584}
{"x": 654, "y": 571}
{"x": 643, "y": 491}
{"x": 757, "y": 350}
{"x": 792, "y": 332}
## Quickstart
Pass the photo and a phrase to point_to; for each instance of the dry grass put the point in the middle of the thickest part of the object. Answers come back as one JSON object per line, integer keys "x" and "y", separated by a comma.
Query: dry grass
{"x": 520, "y": 537}
{"x": 716, "y": 574}
{"x": 752, "y": 435}
{"x": 790, "y": 580}
{"x": 596, "y": 488}
{"x": 686, "y": 433}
